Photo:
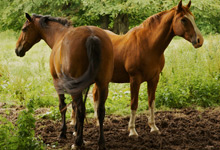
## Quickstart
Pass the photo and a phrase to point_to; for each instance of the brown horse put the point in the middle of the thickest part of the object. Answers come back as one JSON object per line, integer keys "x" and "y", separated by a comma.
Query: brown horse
{"x": 80, "y": 56}
{"x": 139, "y": 54}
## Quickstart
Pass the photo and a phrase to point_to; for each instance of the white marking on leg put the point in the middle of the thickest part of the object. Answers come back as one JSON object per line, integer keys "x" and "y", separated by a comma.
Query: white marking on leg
{"x": 73, "y": 118}
{"x": 75, "y": 133}
{"x": 151, "y": 120}
{"x": 131, "y": 125}
{"x": 85, "y": 143}
{"x": 74, "y": 147}
{"x": 95, "y": 112}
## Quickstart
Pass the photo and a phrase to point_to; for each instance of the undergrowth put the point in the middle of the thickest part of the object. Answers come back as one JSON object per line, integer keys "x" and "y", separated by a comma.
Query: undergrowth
{"x": 20, "y": 136}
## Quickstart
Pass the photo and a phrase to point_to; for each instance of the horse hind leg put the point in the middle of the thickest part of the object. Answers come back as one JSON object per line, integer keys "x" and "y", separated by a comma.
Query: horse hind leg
{"x": 80, "y": 115}
{"x": 62, "y": 105}
{"x": 102, "y": 96}
{"x": 73, "y": 118}
{"x": 95, "y": 98}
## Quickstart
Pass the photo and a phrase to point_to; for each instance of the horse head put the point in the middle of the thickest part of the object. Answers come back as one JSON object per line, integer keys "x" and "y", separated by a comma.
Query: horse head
{"x": 28, "y": 37}
{"x": 184, "y": 25}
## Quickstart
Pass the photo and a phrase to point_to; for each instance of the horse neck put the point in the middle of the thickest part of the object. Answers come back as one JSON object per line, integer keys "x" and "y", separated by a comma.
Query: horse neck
{"x": 158, "y": 32}
{"x": 52, "y": 33}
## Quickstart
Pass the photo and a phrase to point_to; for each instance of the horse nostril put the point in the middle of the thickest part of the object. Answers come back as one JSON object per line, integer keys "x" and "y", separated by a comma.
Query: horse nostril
{"x": 198, "y": 41}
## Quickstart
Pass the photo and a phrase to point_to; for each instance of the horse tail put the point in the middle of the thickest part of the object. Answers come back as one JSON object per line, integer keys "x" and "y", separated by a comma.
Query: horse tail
{"x": 75, "y": 86}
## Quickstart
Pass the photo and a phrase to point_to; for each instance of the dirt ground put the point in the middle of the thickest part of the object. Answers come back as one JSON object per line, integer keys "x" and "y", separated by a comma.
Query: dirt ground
{"x": 186, "y": 129}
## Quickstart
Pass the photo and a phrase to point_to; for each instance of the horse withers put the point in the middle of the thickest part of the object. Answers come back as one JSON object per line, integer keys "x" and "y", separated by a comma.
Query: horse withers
{"x": 80, "y": 57}
{"x": 139, "y": 55}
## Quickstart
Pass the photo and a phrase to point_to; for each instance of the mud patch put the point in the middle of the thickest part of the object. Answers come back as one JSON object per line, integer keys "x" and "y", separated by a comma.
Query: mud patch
{"x": 186, "y": 129}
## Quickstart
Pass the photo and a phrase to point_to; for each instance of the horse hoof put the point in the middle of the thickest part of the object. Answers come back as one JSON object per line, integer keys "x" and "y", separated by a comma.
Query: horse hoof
{"x": 155, "y": 132}
{"x": 101, "y": 148}
{"x": 72, "y": 123}
{"x": 133, "y": 133}
{"x": 74, "y": 133}
{"x": 62, "y": 136}
{"x": 97, "y": 123}
{"x": 74, "y": 147}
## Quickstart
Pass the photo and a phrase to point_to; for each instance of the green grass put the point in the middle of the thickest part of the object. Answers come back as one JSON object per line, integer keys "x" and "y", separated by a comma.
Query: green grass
{"x": 191, "y": 77}
{"x": 25, "y": 78}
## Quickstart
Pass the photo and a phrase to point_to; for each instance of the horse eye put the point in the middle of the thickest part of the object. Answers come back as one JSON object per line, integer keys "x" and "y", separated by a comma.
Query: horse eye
{"x": 24, "y": 29}
{"x": 183, "y": 21}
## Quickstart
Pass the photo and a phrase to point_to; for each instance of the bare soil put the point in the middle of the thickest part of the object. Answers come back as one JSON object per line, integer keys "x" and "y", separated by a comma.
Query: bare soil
{"x": 186, "y": 129}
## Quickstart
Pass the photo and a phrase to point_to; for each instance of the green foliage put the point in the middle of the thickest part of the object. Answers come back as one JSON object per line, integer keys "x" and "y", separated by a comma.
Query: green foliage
{"x": 12, "y": 11}
{"x": 190, "y": 77}
{"x": 22, "y": 135}
{"x": 90, "y": 12}
{"x": 53, "y": 114}
{"x": 207, "y": 15}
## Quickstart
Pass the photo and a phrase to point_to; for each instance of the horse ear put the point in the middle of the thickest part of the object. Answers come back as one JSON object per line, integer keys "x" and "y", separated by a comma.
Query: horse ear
{"x": 189, "y": 4}
{"x": 28, "y": 17}
{"x": 179, "y": 7}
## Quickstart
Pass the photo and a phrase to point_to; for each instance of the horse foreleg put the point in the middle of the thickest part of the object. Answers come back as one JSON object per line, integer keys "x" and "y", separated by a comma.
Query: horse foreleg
{"x": 62, "y": 104}
{"x": 80, "y": 115}
{"x": 73, "y": 117}
{"x": 152, "y": 85}
{"x": 96, "y": 100}
{"x": 134, "y": 87}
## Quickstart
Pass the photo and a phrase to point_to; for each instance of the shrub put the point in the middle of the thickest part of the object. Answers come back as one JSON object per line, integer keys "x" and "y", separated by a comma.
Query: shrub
{"x": 22, "y": 135}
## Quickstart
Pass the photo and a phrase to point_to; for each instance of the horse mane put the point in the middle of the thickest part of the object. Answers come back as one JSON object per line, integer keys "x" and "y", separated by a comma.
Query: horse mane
{"x": 44, "y": 20}
{"x": 150, "y": 21}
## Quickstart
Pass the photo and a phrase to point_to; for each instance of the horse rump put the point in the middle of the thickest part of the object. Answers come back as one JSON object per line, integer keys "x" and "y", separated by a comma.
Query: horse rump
{"x": 75, "y": 86}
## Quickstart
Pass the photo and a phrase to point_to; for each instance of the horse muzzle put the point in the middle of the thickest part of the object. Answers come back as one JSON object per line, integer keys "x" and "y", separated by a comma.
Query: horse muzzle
{"x": 198, "y": 42}
{"x": 20, "y": 52}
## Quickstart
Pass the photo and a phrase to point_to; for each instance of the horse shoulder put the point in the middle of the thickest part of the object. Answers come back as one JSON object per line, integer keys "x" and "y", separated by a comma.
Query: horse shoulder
{"x": 132, "y": 54}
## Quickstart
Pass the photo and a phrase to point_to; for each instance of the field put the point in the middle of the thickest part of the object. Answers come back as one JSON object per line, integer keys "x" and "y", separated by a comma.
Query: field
{"x": 187, "y": 99}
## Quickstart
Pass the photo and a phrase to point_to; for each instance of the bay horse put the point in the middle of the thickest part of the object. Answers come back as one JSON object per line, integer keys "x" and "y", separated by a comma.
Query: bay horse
{"x": 80, "y": 57}
{"x": 139, "y": 55}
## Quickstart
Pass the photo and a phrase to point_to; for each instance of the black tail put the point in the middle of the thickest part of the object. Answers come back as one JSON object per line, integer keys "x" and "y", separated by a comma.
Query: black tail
{"x": 75, "y": 86}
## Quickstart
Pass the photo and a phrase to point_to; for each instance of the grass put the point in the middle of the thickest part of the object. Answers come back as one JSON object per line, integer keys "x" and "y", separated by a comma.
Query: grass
{"x": 25, "y": 78}
{"x": 191, "y": 77}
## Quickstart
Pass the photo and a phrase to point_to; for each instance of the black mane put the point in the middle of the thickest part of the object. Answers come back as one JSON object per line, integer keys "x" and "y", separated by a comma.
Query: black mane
{"x": 44, "y": 19}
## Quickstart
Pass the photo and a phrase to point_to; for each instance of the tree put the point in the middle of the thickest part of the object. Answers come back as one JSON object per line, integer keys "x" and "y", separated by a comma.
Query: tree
{"x": 113, "y": 14}
{"x": 116, "y": 15}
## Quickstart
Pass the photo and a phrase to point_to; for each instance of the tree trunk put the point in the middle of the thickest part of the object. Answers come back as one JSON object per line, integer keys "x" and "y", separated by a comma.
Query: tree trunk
{"x": 105, "y": 21}
{"x": 121, "y": 24}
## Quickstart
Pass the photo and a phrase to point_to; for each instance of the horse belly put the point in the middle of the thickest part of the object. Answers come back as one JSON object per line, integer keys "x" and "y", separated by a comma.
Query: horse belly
{"x": 120, "y": 77}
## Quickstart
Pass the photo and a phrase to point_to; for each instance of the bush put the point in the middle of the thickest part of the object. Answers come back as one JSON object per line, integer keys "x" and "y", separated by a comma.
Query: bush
{"x": 22, "y": 135}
